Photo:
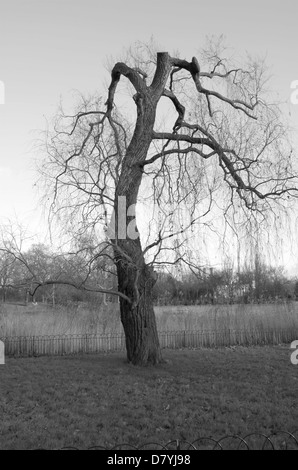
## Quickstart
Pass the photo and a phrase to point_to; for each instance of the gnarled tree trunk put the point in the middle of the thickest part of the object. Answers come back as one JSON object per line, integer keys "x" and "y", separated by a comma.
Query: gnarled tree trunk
{"x": 138, "y": 319}
{"x": 135, "y": 278}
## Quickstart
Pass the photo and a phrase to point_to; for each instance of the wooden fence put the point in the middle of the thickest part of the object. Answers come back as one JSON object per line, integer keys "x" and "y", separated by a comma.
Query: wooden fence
{"x": 26, "y": 346}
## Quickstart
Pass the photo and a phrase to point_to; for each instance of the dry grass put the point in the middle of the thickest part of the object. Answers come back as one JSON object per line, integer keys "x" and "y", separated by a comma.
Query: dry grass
{"x": 18, "y": 320}
{"x": 179, "y": 327}
{"x": 234, "y": 317}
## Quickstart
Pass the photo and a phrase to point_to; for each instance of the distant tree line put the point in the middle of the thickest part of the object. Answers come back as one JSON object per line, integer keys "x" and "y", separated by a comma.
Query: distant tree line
{"x": 258, "y": 285}
{"x": 26, "y": 276}
{"x": 40, "y": 275}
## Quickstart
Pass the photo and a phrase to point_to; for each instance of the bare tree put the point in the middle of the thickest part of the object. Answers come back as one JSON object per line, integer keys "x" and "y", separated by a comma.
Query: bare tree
{"x": 220, "y": 154}
{"x": 35, "y": 267}
{"x": 7, "y": 269}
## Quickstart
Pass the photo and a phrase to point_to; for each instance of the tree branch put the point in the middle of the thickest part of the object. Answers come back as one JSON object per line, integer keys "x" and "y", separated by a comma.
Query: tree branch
{"x": 79, "y": 287}
{"x": 194, "y": 68}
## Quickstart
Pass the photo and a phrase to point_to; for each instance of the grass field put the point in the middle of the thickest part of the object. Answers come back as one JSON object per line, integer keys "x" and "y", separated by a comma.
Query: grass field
{"x": 99, "y": 400}
{"x": 84, "y": 401}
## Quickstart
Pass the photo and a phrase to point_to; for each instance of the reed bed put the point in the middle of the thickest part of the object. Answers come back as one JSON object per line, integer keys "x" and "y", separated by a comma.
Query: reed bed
{"x": 41, "y": 330}
{"x": 40, "y": 320}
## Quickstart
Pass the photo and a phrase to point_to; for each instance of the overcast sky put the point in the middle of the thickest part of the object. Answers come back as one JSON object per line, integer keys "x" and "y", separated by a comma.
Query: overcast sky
{"x": 48, "y": 49}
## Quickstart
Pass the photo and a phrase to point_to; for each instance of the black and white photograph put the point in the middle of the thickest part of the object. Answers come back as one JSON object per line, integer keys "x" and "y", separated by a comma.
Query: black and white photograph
{"x": 148, "y": 228}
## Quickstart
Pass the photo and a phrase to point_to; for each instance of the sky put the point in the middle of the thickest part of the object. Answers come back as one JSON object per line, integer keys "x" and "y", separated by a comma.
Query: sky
{"x": 49, "y": 49}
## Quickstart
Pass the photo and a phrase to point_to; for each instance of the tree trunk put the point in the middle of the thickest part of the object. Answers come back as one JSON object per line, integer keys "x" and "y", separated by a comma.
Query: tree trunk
{"x": 135, "y": 278}
{"x": 138, "y": 320}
